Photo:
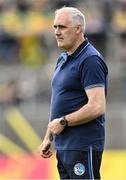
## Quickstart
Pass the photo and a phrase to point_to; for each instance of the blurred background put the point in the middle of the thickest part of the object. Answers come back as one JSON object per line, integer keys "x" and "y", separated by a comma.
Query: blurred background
{"x": 28, "y": 54}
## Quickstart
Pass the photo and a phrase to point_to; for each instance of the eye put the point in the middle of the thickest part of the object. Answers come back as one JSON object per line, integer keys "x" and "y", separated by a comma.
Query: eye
{"x": 55, "y": 26}
{"x": 59, "y": 27}
{"x": 62, "y": 27}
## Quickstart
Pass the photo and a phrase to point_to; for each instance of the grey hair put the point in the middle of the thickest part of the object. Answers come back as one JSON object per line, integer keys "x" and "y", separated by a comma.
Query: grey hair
{"x": 78, "y": 17}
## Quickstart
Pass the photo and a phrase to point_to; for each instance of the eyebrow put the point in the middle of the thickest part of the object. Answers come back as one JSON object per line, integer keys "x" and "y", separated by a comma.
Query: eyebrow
{"x": 60, "y": 26}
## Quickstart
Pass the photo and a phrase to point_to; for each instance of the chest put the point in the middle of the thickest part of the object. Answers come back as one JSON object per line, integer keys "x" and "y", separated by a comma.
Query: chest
{"x": 67, "y": 75}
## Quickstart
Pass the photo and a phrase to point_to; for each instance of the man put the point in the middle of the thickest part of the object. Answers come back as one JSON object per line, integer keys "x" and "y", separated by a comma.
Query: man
{"x": 79, "y": 87}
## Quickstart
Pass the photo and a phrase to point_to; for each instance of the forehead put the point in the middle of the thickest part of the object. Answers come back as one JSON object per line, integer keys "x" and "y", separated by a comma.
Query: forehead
{"x": 63, "y": 17}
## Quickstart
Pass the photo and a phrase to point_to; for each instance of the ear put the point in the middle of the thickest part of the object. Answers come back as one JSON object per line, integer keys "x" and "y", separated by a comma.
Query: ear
{"x": 78, "y": 29}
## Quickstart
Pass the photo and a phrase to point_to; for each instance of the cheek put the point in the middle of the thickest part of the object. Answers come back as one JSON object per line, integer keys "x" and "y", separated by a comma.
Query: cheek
{"x": 71, "y": 35}
{"x": 71, "y": 38}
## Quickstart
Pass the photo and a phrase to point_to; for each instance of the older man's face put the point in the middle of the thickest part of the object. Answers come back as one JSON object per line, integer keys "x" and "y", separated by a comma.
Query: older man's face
{"x": 65, "y": 32}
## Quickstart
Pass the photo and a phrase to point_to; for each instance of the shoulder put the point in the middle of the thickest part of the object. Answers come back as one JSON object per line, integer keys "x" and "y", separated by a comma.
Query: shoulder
{"x": 93, "y": 63}
{"x": 91, "y": 56}
{"x": 90, "y": 51}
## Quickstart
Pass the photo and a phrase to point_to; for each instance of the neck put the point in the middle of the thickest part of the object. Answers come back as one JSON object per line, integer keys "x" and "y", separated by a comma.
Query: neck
{"x": 75, "y": 46}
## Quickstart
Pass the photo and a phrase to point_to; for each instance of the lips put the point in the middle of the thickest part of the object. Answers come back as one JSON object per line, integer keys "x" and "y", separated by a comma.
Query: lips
{"x": 59, "y": 38}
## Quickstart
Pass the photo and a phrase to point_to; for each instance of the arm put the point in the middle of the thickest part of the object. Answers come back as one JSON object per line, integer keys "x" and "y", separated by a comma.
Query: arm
{"x": 44, "y": 148}
{"x": 93, "y": 109}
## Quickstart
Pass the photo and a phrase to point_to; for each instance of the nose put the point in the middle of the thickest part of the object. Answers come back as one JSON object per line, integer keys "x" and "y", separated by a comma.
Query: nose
{"x": 57, "y": 31}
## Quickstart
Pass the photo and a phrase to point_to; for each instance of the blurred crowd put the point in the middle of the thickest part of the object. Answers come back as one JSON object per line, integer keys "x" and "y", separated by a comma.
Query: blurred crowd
{"x": 26, "y": 33}
{"x": 26, "y": 36}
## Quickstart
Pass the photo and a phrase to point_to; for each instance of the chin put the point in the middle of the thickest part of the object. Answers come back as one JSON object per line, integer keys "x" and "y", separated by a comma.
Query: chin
{"x": 60, "y": 45}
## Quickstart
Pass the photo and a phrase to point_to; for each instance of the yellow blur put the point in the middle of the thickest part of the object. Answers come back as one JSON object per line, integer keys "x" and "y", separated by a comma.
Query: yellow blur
{"x": 23, "y": 129}
{"x": 114, "y": 165}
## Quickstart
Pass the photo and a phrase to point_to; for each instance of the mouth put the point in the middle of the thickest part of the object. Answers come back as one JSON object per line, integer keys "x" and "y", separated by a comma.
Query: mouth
{"x": 59, "y": 38}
